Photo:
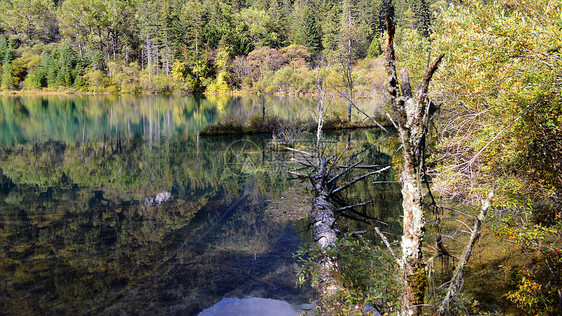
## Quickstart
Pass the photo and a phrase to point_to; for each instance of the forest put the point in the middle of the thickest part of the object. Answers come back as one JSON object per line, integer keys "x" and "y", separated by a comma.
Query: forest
{"x": 163, "y": 46}
{"x": 496, "y": 89}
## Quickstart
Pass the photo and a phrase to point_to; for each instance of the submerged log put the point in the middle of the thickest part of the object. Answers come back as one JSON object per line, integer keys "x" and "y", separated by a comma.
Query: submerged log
{"x": 324, "y": 234}
{"x": 323, "y": 220}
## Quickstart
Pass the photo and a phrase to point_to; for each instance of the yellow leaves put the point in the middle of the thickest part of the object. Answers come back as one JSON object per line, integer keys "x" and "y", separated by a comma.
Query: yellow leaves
{"x": 527, "y": 294}
{"x": 498, "y": 70}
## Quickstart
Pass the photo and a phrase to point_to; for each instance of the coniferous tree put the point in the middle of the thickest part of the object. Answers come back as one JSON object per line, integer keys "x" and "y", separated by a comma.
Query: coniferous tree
{"x": 7, "y": 79}
{"x": 353, "y": 33}
{"x": 422, "y": 17}
{"x": 66, "y": 63}
{"x": 306, "y": 31}
{"x": 331, "y": 28}
{"x": 3, "y": 48}
{"x": 279, "y": 23}
{"x": 313, "y": 37}
{"x": 374, "y": 49}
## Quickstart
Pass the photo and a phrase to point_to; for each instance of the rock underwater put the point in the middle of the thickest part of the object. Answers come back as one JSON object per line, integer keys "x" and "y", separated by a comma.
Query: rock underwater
{"x": 158, "y": 199}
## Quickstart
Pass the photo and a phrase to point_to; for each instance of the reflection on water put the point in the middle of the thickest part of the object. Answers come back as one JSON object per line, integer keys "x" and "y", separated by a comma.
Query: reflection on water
{"x": 78, "y": 235}
{"x": 79, "y": 119}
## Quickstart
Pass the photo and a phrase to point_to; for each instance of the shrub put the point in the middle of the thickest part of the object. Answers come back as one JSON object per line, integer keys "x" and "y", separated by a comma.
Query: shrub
{"x": 365, "y": 275}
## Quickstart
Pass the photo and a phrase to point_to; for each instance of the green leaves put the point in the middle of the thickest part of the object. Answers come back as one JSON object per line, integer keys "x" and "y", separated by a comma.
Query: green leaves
{"x": 500, "y": 73}
{"x": 501, "y": 104}
{"x": 365, "y": 275}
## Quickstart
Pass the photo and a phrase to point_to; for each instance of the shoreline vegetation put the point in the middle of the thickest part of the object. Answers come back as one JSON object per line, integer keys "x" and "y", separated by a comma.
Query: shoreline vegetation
{"x": 278, "y": 127}
{"x": 366, "y": 75}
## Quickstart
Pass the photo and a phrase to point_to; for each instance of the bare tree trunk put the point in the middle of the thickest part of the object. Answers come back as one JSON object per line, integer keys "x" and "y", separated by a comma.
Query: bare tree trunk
{"x": 324, "y": 212}
{"x": 149, "y": 55}
{"x": 412, "y": 116}
{"x": 412, "y": 240}
{"x": 320, "y": 108}
{"x": 323, "y": 216}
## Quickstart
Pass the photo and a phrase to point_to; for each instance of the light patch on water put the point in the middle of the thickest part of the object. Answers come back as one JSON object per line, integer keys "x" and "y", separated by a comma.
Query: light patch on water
{"x": 251, "y": 306}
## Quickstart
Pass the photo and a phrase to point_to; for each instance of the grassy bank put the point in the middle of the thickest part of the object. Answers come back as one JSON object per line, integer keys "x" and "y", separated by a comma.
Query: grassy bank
{"x": 280, "y": 128}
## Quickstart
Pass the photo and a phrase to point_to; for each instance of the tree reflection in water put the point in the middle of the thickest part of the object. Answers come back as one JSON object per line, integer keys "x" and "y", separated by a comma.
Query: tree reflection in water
{"x": 78, "y": 237}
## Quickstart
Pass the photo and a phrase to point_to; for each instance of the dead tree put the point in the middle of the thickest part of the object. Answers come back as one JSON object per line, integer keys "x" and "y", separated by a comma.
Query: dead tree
{"x": 412, "y": 114}
{"x": 324, "y": 212}
{"x": 324, "y": 173}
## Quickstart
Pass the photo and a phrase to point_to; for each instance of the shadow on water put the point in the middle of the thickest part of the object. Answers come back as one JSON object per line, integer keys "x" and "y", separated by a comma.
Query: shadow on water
{"x": 116, "y": 209}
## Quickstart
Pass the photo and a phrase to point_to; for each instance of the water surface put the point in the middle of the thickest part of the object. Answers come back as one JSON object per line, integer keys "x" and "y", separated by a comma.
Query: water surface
{"x": 112, "y": 205}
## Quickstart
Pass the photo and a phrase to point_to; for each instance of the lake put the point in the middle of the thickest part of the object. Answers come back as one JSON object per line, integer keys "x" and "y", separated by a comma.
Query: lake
{"x": 115, "y": 204}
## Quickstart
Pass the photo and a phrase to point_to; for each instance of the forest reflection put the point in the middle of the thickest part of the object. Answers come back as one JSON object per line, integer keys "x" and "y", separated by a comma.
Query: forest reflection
{"x": 78, "y": 236}
{"x": 93, "y": 118}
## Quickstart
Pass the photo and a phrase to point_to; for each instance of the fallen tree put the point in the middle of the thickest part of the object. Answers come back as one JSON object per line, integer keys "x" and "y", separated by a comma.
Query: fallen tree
{"x": 324, "y": 174}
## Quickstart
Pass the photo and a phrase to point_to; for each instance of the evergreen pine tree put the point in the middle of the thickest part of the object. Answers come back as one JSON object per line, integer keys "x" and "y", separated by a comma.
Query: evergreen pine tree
{"x": 422, "y": 17}
{"x": 3, "y": 48}
{"x": 7, "y": 79}
{"x": 313, "y": 39}
{"x": 374, "y": 49}
{"x": 66, "y": 64}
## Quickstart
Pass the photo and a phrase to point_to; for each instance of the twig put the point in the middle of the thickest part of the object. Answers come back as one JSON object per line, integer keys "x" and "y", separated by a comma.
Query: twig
{"x": 298, "y": 174}
{"x": 392, "y": 121}
{"x": 353, "y": 206}
{"x": 299, "y": 151}
{"x": 304, "y": 163}
{"x": 361, "y": 167}
{"x": 387, "y": 244}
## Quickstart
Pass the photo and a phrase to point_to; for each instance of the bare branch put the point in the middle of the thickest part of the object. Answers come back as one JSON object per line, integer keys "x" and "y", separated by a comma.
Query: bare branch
{"x": 352, "y": 206}
{"x": 351, "y": 209}
{"x": 300, "y": 175}
{"x": 387, "y": 244}
{"x": 304, "y": 163}
{"x": 456, "y": 281}
{"x": 343, "y": 172}
{"x": 304, "y": 153}
{"x": 380, "y": 182}
{"x": 361, "y": 167}
{"x": 424, "y": 84}
{"x": 357, "y": 179}
{"x": 392, "y": 121}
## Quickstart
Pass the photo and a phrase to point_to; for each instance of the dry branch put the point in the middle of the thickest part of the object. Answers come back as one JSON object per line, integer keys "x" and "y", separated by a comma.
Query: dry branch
{"x": 298, "y": 174}
{"x": 456, "y": 281}
{"x": 304, "y": 153}
{"x": 387, "y": 244}
{"x": 361, "y": 167}
{"x": 357, "y": 179}
{"x": 353, "y": 206}
{"x": 343, "y": 172}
